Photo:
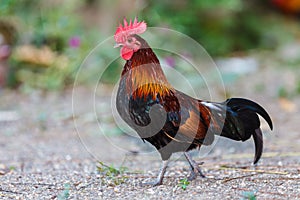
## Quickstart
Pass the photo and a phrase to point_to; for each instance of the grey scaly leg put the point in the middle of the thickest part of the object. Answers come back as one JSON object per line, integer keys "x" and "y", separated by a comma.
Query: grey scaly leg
{"x": 195, "y": 169}
{"x": 160, "y": 176}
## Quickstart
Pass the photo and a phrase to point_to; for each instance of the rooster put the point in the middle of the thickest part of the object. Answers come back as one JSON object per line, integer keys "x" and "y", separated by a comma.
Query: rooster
{"x": 169, "y": 119}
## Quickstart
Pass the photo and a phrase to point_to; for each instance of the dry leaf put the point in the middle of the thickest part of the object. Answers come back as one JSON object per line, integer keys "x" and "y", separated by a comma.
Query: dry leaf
{"x": 40, "y": 56}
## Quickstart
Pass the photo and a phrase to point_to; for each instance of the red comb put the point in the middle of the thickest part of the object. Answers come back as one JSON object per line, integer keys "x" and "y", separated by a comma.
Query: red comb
{"x": 134, "y": 27}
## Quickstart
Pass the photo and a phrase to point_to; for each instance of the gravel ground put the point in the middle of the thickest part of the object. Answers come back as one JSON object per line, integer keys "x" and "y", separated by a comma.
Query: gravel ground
{"x": 42, "y": 155}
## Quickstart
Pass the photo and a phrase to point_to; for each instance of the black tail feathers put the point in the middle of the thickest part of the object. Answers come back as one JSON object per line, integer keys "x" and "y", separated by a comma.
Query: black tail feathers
{"x": 258, "y": 141}
{"x": 239, "y": 104}
{"x": 242, "y": 121}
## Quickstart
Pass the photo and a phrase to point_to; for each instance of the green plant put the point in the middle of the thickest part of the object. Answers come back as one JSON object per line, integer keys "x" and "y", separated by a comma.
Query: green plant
{"x": 112, "y": 175}
{"x": 51, "y": 29}
{"x": 220, "y": 26}
{"x": 248, "y": 196}
{"x": 282, "y": 92}
{"x": 65, "y": 194}
{"x": 298, "y": 87}
{"x": 183, "y": 183}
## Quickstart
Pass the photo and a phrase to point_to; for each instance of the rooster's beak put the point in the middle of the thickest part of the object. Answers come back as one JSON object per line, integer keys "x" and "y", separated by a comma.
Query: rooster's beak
{"x": 118, "y": 45}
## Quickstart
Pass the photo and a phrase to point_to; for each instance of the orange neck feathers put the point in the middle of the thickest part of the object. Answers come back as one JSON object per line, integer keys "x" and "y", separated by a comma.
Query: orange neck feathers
{"x": 144, "y": 75}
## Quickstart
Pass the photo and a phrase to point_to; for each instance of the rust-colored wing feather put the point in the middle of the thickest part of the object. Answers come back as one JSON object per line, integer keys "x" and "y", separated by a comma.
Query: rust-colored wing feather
{"x": 195, "y": 120}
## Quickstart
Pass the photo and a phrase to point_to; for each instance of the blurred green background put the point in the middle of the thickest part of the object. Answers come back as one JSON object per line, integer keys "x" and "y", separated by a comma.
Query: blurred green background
{"x": 45, "y": 42}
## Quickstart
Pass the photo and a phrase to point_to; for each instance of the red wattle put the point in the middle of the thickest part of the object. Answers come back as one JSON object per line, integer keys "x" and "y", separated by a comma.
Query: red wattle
{"x": 126, "y": 53}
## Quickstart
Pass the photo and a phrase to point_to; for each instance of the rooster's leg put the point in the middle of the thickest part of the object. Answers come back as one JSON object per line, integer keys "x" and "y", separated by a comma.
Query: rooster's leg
{"x": 195, "y": 169}
{"x": 160, "y": 176}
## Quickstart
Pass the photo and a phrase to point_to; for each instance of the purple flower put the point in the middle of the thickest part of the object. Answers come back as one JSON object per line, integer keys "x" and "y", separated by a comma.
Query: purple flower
{"x": 74, "y": 42}
{"x": 170, "y": 61}
{"x": 5, "y": 52}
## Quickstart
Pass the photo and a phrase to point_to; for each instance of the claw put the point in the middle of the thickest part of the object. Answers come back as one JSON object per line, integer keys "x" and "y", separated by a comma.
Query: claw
{"x": 195, "y": 169}
{"x": 192, "y": 176}
{"x": 152, "y": 183}
{"x": 199, "y": 171}
{"x": 160, "y": 176}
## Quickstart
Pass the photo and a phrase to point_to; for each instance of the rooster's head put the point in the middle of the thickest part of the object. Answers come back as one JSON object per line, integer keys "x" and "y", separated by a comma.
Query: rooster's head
{"x": 125, "y": 37}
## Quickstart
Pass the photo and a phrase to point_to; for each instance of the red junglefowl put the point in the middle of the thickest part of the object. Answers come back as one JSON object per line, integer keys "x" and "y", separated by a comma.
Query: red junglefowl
{"x": 169, "y": 119}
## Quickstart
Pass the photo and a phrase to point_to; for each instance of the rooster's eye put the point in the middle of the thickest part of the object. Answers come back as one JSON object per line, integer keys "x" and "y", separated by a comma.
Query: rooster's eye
{"x": 129, "y": 40}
